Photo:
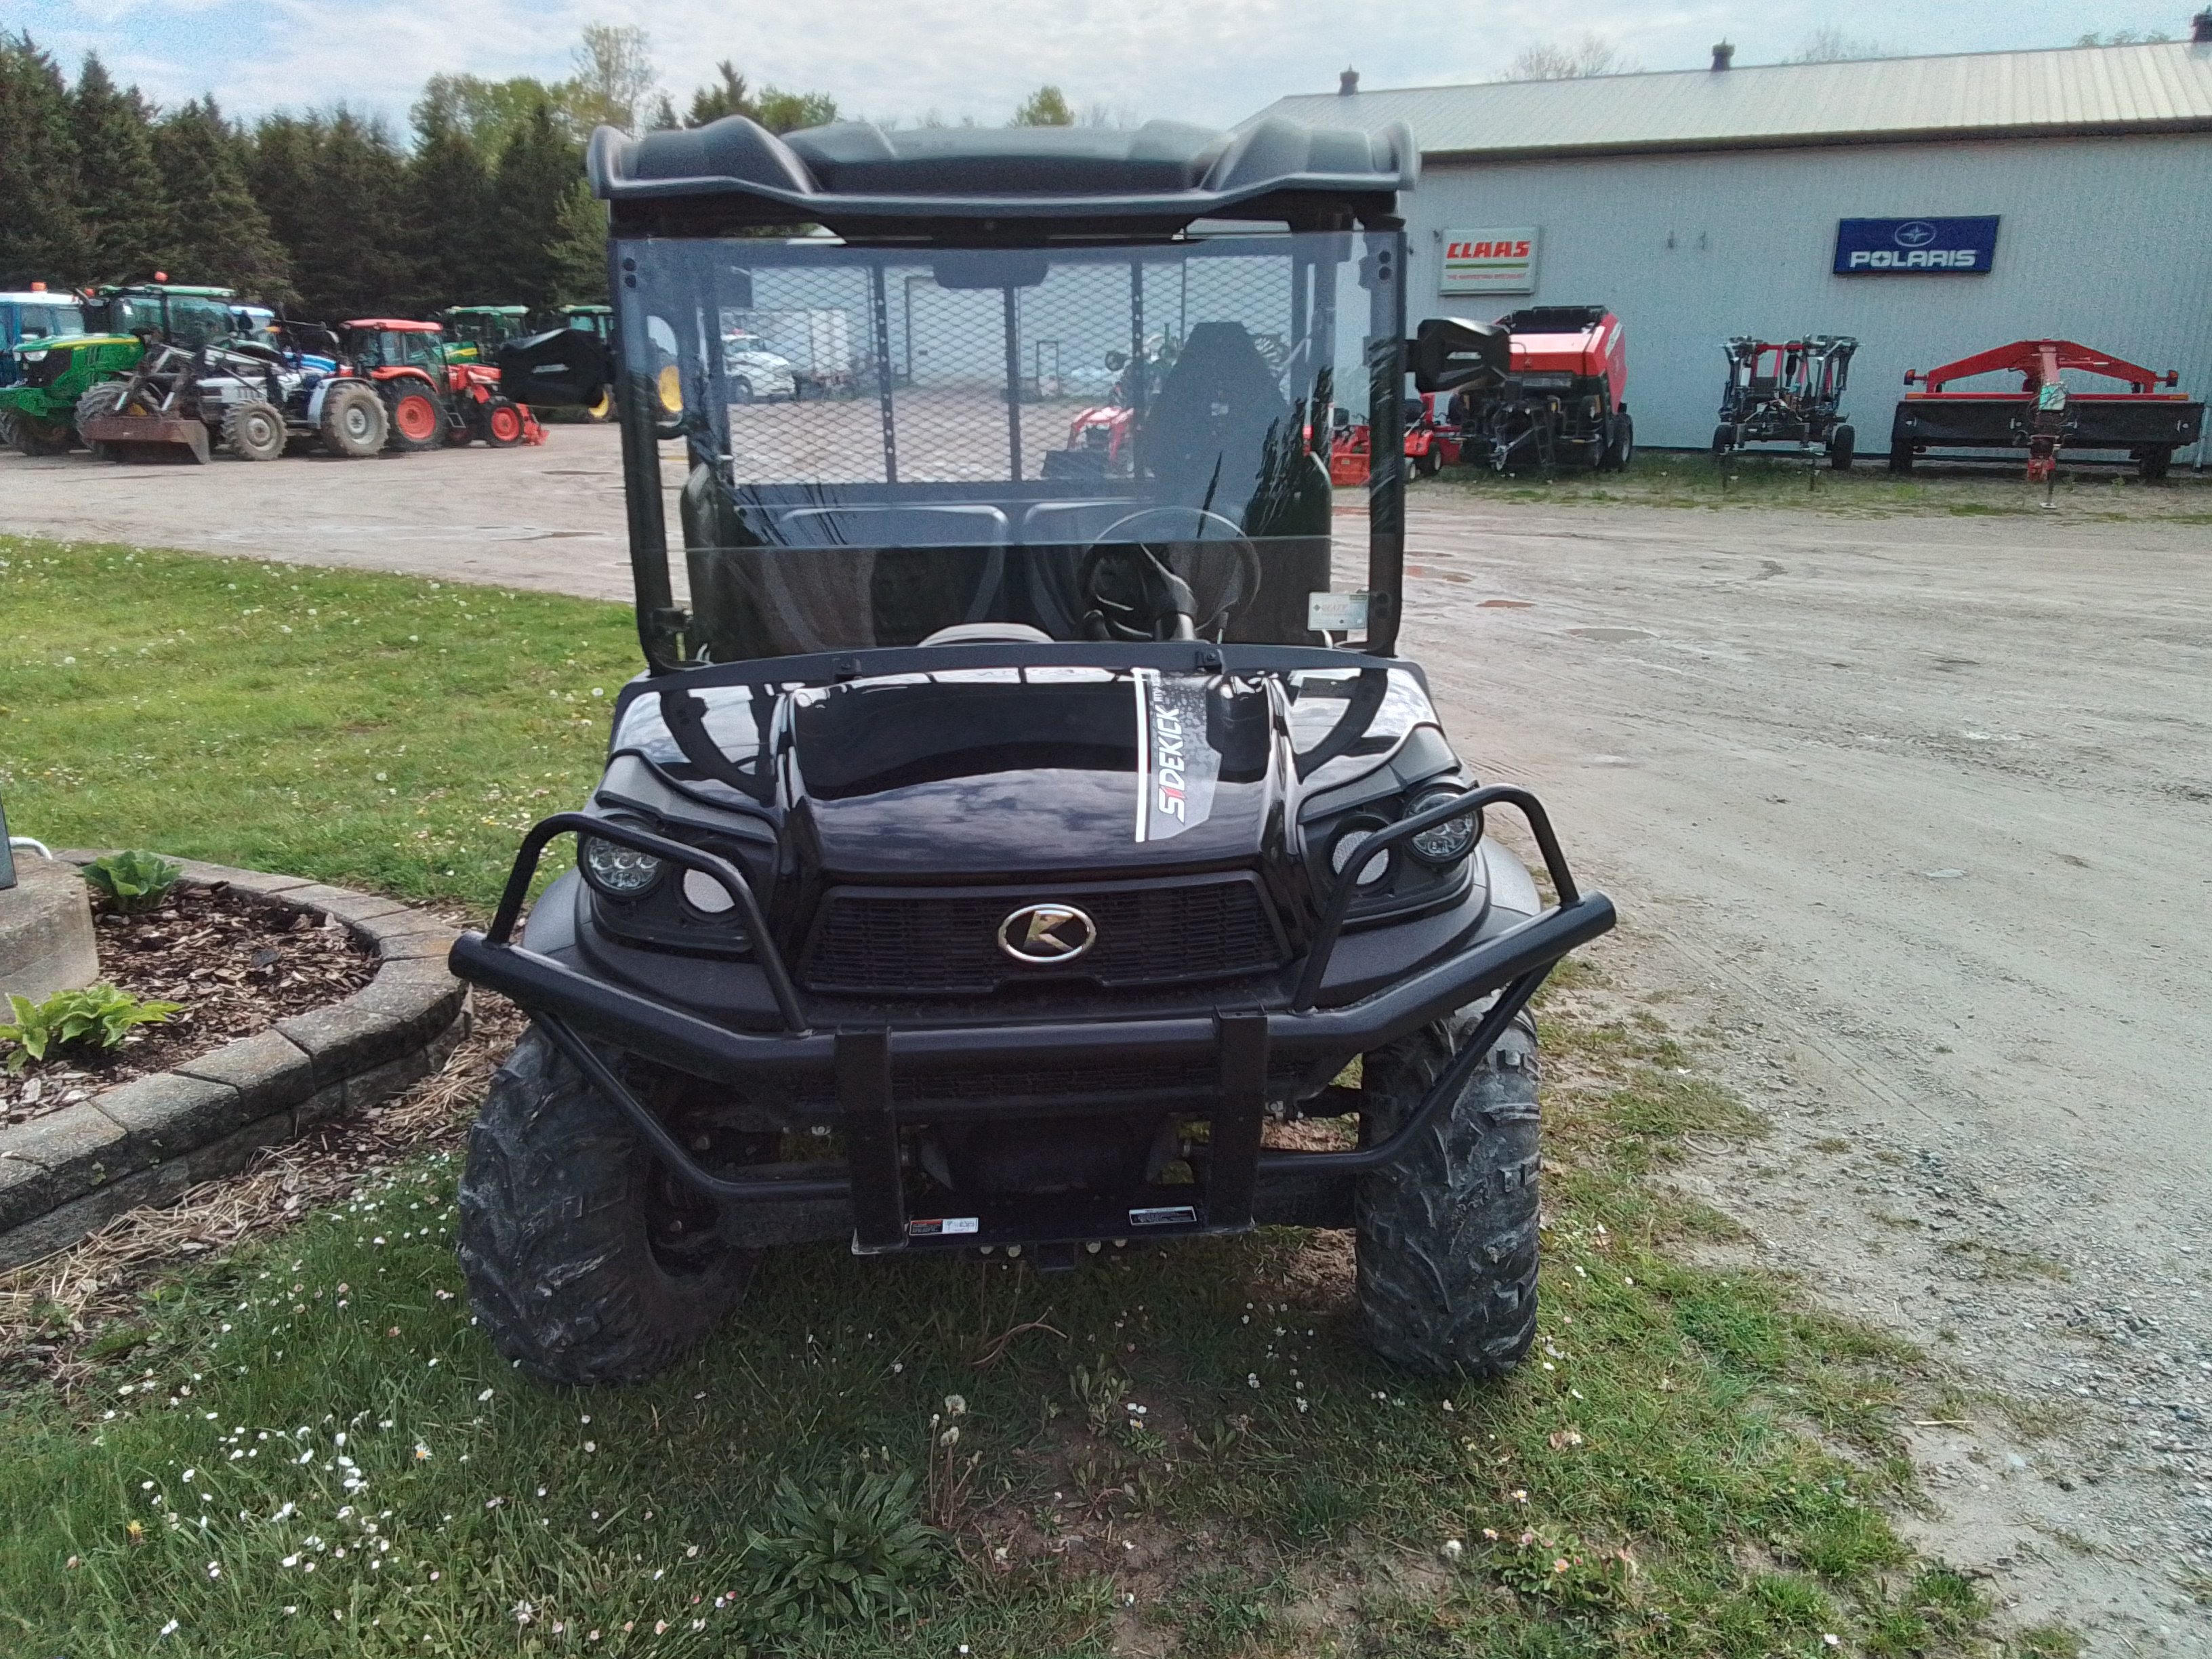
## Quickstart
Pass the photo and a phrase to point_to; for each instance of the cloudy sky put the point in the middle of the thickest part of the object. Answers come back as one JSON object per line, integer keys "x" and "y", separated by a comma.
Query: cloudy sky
{"x": 1212, "y": 61}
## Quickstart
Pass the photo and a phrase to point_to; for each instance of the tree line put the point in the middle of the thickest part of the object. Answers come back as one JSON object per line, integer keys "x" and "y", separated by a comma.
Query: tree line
{"x": 331, "y": 214}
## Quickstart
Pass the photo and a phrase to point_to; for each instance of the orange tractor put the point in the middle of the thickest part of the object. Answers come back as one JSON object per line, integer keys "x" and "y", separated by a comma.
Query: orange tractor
{"x": 428, "y": 400}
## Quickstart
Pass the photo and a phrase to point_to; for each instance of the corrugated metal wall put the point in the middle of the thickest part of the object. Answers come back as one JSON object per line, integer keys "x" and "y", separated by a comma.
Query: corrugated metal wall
{"x": 2105, "y": 241}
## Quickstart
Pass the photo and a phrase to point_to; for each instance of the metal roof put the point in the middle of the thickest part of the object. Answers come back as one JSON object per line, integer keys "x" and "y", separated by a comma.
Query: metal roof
{"x": 2072, "y": 90}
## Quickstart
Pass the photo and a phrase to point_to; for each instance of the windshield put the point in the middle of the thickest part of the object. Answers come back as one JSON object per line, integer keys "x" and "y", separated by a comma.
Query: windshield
{"x": 1125, "y": 443}
{"x": 40, "y": 322}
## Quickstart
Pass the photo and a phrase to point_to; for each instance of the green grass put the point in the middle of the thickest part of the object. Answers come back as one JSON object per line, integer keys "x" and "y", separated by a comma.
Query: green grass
{"x": 1692, "y": 1462}
{"x": 389, "y": 732}
{"x": 1671, "y": 478}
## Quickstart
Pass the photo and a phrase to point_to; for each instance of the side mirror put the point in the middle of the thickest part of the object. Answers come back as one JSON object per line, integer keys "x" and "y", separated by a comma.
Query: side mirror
{"x": 1451, "y": 352}
{"x": 1117, "y": 360}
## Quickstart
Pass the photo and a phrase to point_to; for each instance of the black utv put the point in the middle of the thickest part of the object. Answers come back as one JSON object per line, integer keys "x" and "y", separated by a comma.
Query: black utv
{"x": 993, "y": 850}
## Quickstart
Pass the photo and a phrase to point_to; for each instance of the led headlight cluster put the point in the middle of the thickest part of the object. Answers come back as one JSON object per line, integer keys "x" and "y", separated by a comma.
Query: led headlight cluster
{"x": 619, "y": 871}
{"x": 1447, "y": 842}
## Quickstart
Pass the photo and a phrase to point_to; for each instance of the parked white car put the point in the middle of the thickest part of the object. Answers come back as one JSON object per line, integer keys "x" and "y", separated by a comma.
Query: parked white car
{"x": 753, "y": 373}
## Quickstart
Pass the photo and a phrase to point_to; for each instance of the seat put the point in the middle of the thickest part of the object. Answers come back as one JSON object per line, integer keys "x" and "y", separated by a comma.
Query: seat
{"x": 990, "y": 633}
{"x": 1203, "y": 439}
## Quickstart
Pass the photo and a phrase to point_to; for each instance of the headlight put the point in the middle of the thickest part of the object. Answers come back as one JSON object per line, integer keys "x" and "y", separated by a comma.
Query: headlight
{"x": 1447, "y": 842}
{"x": 1349, "y": 838}
{"x": 705, "y": 895}
{"x": 619, "y": 871}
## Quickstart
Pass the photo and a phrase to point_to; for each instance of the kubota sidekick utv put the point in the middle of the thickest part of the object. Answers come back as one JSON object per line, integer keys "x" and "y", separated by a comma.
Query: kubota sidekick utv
{"x": 991, "y": 852}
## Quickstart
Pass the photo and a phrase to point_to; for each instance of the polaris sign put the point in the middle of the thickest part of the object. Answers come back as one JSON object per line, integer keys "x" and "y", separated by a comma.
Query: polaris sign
{"x": 1913, "y": 247}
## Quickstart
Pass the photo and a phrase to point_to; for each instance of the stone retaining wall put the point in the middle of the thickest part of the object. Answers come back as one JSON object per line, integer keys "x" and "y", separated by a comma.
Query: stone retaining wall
{"x": 144, "y": 1142}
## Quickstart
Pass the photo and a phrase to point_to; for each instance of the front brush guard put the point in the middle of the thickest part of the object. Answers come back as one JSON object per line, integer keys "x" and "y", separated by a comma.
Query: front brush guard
{"x": 1244, "y": 1183}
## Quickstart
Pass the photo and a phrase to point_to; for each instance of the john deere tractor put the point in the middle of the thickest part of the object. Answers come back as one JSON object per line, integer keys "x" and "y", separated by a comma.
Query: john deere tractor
{"x": 38, "y": 412}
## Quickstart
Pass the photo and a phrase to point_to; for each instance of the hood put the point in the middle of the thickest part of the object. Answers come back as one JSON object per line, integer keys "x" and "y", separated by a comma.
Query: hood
{"x": 1036, "y": 770}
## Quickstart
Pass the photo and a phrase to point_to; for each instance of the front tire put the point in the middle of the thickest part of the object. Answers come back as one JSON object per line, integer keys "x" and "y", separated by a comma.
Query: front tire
{"x": 1427, "y": 462}
{"x": 1447, "y": 1242}
{"x": 96, "y": 402}
{"x": 741, "y": 390}
{"x": 1622, "y": 450}
{"x": 2152, "y": 462}
{"x": 354, "y": 423}
{"x": 502, "y": 424}
{"x": 575, "y": 1266}
{"x": 1900, "y": 445}
{"x": 1843, "y": 444}
{"x": 254, "y": 429}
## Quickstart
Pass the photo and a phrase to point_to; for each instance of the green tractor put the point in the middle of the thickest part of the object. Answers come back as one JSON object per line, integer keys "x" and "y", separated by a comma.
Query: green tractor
{"x": 38, "y": 412}
{"x": 474, "y": 334}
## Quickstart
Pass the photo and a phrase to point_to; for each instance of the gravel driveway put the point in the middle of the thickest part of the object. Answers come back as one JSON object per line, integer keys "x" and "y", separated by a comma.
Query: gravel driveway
{"x": 1910, "y": 816}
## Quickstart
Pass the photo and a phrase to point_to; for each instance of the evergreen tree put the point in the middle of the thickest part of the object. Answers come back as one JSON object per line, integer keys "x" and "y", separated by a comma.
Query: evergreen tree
{"x": 41, "y": 237}
{"x": 728, "y": 96}
{"x": 128, "y": 224}
{"x": 447, "y": 202}
{"x": 351, "y": 263}
{"x": 283, "y": 173}
{"x": 220, "y": 235}
{"x": 536, "y": 221}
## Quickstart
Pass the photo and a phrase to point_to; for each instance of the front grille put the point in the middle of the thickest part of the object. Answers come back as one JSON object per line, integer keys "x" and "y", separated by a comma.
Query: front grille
{"x": 1162, "y": 1083}
{"x": 47, "y": 370}
{"x": 926, "y": 943}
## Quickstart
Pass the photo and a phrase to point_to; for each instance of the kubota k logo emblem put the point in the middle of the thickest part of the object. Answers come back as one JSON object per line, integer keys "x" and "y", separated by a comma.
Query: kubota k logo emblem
{"x": 1040, "y": 935}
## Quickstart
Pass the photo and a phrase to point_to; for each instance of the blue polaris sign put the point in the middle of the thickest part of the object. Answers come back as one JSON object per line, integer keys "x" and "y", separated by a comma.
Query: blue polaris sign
{"x": 1913, "y": 247}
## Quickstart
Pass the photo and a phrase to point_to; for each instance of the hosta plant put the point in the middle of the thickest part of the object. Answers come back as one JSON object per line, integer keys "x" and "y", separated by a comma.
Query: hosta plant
{"x": 99, "y": 1017}
{"x": 133, "y": 880}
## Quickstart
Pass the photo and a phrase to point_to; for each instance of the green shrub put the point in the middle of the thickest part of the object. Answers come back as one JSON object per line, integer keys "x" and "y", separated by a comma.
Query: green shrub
{"x": 849, "y": 1555}
{"x": 134, "y": 880}
{"x": 99, "y": 1017}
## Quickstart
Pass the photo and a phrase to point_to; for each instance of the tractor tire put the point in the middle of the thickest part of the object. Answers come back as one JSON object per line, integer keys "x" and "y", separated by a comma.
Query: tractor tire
{"x": 418, "y": 419}
{"x": 1621, "y": 453}
{"x": 502, "y": 424}
{"x": 1724, "y": 439}
{"x": 669, "y": 385}
{"x": 1843, "y": 445}
{"x": 254, "y": 429}
{"x": 2152, "y": 461}
{"x": 35, "y": 437}
{"x": 96, "y": 402}
{"x": 567, "y": 1272}
{"x": 599, "y": 413}
{"x": 741, "y": 390}
{"x": 1447, "y": 1248}
{"x": 1428, "y": 463}
{"x": 355, "y": 424}
{"x": 1900, "y": 445}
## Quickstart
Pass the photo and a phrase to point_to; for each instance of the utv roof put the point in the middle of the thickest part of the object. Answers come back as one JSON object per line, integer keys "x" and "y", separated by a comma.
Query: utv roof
{"x": 857, "y": 178}
{"x": 39, "y": 297}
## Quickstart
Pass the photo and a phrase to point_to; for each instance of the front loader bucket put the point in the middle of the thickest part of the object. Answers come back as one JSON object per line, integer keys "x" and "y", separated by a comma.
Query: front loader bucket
{"x": 148, "y": 437}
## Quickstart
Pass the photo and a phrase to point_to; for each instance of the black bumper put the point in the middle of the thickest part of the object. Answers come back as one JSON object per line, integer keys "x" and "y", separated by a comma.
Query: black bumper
{"x": 866, "y": 1197}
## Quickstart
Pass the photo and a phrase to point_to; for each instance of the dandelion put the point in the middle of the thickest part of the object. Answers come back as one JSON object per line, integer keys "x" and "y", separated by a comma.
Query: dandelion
{"x": 1251, "y": 1379}
{"x": 524, "y": 1613}
{"x": 1453, "y": 1548}
{"x": 1829, "y": 1638}
{"x": 955, "y": 1405}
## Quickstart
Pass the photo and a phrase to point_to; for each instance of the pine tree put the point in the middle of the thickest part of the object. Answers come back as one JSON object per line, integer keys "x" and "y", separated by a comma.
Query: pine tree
{"x": 41, "y": 237}
{"x": 281, "y": 170}
{"x": 350, "y": 260}
{"x": 728, "y": 96}
{"x": 535, "y": 226}
{"x": 221, "y": 236}
{"x": 128, "y": 226}
{"x": 447, "y": 237}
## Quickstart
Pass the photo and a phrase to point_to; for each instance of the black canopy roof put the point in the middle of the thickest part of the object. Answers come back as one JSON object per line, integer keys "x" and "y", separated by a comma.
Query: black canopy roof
{"x": 1018, "y": 183}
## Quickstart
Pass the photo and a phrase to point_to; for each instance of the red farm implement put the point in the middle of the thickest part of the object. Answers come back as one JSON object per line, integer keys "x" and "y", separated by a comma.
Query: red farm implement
{"x": 2045, "y": 415}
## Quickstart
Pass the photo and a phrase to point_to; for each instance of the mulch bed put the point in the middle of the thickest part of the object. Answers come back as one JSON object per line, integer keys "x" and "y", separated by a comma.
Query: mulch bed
{"x": 238, "y": 962}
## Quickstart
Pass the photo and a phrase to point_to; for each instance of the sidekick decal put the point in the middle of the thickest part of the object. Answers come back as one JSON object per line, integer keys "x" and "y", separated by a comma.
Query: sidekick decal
{"x": 1176, "y": 767}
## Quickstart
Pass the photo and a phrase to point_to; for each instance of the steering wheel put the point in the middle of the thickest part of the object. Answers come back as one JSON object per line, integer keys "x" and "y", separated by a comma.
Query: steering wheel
{"x": 1165, "y": 573}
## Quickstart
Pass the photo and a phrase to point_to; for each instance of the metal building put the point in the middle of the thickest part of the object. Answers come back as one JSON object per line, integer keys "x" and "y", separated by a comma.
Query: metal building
{"x": 1705, "y": 204}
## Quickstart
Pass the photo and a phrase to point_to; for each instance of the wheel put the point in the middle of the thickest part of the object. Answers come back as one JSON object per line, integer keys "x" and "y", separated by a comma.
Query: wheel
{"x": 1622, "y": 450}
{"x": 7, "y": 428}
{"x": 1900, "y": 445}
{"x": 741, "y": 390}
{"x": 93, "y": 404}
{"x": 254, "y": 430}
{"x": 1724, "y": 439}
{"x": 353, "y": 422}
{"x": 502, "y": 424}
{"x": 672, "y": 389}
{"x": 602, "y": 411}
{"x": 580, "y": 1261}
{"x": 2151, "y": 460}
{"x": 1843, "y": 444}
{"x": 417, "y": 422}
{"x": 1425, "y": 464}
{"x": 33, "y": 437}
{"x": 1446, "y": 1245}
